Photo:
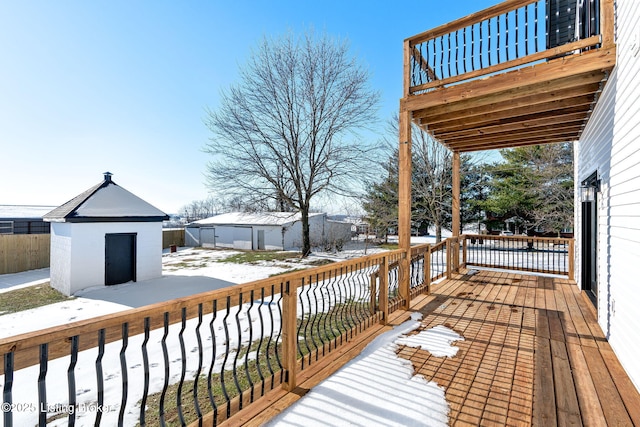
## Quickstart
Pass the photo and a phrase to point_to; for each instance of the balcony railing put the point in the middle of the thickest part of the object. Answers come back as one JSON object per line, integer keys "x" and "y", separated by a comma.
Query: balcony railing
{"x": 209, "y": 356}
{"x": 508, "y": 36}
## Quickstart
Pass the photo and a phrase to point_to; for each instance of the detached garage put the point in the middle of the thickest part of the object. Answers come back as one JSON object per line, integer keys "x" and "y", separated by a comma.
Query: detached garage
{"x": 263, "y": 231}
{"x": 104, "y": 236}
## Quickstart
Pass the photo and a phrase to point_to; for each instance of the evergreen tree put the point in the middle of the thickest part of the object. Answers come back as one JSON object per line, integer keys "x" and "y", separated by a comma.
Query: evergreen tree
{"x": 534, "y": 186}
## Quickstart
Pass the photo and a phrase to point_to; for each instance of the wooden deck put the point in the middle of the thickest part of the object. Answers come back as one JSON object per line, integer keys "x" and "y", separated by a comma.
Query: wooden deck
{"x": 533, "y": 354}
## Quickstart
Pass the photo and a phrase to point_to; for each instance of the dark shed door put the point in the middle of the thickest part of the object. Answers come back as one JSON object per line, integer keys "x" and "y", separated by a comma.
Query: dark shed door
{"x": 120, "y": 258}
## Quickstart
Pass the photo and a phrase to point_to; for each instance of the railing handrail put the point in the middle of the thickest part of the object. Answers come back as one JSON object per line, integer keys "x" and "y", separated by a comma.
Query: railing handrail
{"x": 464, "y": 22}
{"x": 514, "y": 237}
{"x": 135, "y": 316}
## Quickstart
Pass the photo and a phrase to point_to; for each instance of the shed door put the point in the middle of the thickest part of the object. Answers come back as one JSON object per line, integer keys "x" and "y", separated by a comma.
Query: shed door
{"x": 120, "y": 258}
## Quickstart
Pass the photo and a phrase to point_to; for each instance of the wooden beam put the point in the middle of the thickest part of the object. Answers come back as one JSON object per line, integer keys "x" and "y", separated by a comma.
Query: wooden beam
{"x": 570, "y": 135}
{"x": 564, "y": 89}
{"x": 565, "y": 106}
{"x": 513, "y": 126}
{"x": 404, "y": 203}
{"x": 424, "y": 64}
{"x": 574, "y": 65}
{"x": 498, "y": 146}
{"x": 406, "y": 75}
{"x": 607, "y": 23}
{"x": 541, "y": 133}
{"x": 455, "y": 191}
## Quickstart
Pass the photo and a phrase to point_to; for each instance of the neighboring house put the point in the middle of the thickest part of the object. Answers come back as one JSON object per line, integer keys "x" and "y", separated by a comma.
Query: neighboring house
{"x": 104, "y": 236}
{"x": 15, "y": 219}
{"x": 265, "y": 231}
{"x": 607, "y": 207}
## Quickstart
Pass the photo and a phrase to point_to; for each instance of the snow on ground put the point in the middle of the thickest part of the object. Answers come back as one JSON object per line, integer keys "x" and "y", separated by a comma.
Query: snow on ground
{"x": 378, "y": 387}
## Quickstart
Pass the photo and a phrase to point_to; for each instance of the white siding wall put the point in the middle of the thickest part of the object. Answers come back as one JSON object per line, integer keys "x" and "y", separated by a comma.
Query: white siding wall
{"x": 81, "y": 247}
{"x": 60, "y": 257}
{"x": 293, "y": 236}
{"x": 272, "y": 237}
{"x": 610, "y": 144}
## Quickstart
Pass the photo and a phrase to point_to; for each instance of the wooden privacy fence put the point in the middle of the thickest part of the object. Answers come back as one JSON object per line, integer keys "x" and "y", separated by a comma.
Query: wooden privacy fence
{"x": 21, "y": 252}
{"x": 172, "y": 236}
{"x": 206, "y": 357}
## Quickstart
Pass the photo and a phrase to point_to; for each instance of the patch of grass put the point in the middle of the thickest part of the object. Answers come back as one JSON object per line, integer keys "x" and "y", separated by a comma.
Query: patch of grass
{"x": 293, "y": 270}
{"x": 30, "y": 297}
{"x": 319, "y": 262}
{"x": 389, "y": 246}
{"x": 251, "y": 257}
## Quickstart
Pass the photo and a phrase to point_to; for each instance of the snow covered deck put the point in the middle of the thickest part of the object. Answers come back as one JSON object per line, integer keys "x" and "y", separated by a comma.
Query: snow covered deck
{"x": 532, "y": 354}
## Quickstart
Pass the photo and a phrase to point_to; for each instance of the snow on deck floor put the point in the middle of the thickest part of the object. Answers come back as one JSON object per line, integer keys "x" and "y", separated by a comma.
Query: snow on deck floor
{"x": 378, "y": 387}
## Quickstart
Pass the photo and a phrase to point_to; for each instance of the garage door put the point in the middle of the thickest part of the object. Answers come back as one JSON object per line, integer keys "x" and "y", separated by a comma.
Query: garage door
{"x": 208, "y": 237}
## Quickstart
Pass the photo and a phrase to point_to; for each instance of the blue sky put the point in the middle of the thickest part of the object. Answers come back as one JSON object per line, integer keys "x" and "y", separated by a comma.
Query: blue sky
{"x": 122, "y": 86}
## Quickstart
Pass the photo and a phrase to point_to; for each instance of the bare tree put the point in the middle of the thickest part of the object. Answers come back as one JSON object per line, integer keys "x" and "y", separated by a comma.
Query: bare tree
{"x": 282, "y": 133}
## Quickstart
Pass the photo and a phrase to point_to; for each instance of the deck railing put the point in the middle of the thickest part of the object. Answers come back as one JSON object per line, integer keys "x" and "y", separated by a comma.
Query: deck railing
{"x": 206, "y": 357}
{"x": 519, "y": 253}
{"x": 203, "y": 357}
{"x": 507, "y": 36}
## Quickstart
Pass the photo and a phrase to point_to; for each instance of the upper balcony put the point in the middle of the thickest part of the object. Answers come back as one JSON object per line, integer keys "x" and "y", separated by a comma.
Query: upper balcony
{"x": 519, "y": 73}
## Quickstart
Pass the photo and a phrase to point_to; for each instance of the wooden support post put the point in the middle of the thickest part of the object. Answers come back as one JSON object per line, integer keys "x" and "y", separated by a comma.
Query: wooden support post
{"x": 455, "y": 193}
{"x": 383, "y": 298}
{"x": 426, "y": 263}
{"x": 607, "y": 23}
{"x": 404, "y": 205}
{"x": 572, "y": 260}
{"x": 289, "y": 334}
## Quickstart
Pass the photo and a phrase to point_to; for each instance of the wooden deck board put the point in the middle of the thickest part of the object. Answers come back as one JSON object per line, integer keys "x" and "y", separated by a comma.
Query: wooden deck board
{"x": 533, "y": 354}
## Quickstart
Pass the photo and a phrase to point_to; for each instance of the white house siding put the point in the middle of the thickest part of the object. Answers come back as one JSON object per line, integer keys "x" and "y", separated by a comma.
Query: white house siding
{"x": 87, "y": 252}
{"x": 610, "y": 144}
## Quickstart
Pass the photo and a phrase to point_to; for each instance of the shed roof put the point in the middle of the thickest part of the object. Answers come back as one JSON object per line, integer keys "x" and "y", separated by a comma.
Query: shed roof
{"x": 106, "y": 202}
{"x": 246, "y": 218}
{"x": 23, "y": 211}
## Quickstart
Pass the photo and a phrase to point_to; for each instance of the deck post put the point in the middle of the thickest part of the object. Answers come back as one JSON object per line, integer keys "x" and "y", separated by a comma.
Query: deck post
{"x": 289, "y": 334}
{"x": 455, "y": 194}
{"x": 572, "y": 260}
{"x": 607, "y": 23}
{"x": 455, "y": 208}
{"x": 404, "y": 205}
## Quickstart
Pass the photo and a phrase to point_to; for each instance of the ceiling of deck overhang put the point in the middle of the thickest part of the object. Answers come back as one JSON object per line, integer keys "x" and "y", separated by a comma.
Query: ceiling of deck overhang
{"x": 547, "y": 111}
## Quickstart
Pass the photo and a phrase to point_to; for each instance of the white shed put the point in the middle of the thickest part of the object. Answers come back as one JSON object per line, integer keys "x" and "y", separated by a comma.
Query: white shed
{"x": 104, "y": 236}
{"x": 262, "y": 231}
